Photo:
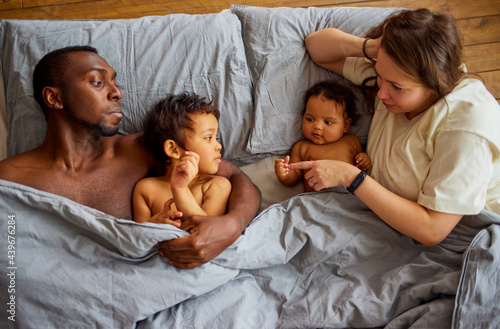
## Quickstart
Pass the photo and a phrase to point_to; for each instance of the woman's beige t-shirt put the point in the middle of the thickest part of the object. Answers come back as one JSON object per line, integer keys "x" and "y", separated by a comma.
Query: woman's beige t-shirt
{"x": 446, "y": 159}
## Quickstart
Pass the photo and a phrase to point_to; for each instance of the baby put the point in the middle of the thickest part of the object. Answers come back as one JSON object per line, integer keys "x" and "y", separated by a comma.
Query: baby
{"x": 180, "y": 132}
{"x": 325, "y": 122}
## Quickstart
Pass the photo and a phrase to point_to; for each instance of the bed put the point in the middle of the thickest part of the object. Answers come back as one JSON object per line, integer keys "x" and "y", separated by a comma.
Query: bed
{"x": 308, "y": 260}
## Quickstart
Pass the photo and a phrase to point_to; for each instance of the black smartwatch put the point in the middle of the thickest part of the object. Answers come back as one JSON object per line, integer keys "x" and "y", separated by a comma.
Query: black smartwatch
{"x": 356, "y": 182}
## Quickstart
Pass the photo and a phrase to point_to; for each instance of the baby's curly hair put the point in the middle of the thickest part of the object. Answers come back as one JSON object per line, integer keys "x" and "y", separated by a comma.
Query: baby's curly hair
{"x": 334, "y": 91}
{"x": 169, "y": 119}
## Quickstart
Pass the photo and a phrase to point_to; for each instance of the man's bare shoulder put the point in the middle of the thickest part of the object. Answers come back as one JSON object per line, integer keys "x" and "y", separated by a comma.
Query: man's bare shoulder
{"x": 128, "y": 148}
{"x": 12, "y": 166}
{"x": 123, "y": 142}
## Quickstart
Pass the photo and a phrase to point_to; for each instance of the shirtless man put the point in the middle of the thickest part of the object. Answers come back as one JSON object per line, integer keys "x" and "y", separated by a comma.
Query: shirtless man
{"x": 83, "y": 158}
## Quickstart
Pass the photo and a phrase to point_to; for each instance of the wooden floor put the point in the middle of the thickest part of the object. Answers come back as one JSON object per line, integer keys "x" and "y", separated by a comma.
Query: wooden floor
{"x": 479, "y": 20}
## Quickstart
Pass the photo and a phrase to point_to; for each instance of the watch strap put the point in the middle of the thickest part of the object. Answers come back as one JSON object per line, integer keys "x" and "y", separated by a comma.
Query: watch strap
{"x": 357, "y": 182}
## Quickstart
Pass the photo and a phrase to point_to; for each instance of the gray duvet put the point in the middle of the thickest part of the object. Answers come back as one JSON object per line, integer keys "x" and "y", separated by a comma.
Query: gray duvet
{"x": 317, "y": 260}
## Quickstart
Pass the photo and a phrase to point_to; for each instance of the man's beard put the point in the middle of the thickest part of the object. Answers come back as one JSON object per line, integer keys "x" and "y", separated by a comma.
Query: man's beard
{"x": 104, "y": 130}
{"x": 100, "y": 128}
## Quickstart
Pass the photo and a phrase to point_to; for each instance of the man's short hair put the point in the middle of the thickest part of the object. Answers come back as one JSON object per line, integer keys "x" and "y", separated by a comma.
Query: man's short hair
{"x": 50, "y": 69}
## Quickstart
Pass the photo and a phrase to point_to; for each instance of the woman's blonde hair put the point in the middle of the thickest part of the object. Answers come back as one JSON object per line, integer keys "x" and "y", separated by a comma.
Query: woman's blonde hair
{"x": 426, "y": 46}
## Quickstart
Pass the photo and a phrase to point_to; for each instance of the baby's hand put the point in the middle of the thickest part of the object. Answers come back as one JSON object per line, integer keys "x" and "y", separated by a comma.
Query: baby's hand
{"x": 185, "y": 170}
{"x": 281, "y": 166}
{"x": 363, "y": 161}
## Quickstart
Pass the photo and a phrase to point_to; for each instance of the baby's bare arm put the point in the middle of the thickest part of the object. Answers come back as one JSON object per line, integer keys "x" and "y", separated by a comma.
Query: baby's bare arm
{"x": 185, "y": 170}
{"x": 216, "y": 195}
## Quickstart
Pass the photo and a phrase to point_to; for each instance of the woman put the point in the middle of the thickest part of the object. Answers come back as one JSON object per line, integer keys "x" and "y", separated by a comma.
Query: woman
{"x": 434, "y": 139}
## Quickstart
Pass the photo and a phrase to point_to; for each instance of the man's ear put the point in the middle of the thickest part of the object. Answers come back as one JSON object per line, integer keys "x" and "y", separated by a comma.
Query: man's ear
{"x": 172, "y": 150}
{"x": 51, "y": 96}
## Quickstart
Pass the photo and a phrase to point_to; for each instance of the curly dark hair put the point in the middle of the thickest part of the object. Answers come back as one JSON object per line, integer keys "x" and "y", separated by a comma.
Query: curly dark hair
{"x": 169, "y": 118}
{"x": 50, "y": 69}
{"x": 334, "y": 91}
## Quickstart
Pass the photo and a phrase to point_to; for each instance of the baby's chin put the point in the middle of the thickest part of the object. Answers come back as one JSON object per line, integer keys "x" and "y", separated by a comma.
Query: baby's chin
{"x": 316, "y": 141}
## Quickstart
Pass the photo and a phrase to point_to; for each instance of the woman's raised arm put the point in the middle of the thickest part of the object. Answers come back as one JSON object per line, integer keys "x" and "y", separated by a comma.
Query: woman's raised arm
{"x": 330, "y": 47}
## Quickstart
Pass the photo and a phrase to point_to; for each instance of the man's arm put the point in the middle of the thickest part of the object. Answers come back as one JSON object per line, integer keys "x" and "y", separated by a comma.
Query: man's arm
{"x": 244, "y": 201}
{"x": 211, "y": 235}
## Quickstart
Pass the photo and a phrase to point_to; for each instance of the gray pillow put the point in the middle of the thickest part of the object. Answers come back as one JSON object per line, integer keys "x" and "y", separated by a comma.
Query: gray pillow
{"x": 282, "y": 70}
{"x": 153, "y": 56}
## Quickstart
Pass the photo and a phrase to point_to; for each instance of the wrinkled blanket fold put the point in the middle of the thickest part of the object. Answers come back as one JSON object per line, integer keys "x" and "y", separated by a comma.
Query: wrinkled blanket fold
{"x": 317, "y": 260}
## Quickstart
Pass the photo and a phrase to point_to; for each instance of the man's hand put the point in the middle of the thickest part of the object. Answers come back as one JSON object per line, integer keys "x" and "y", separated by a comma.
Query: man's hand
{"x": 209, "y": 237}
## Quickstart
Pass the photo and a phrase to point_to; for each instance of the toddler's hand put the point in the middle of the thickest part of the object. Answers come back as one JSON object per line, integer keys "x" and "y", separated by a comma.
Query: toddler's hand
{"x": 168, "y": 215}
{"x": 185, "y": 170}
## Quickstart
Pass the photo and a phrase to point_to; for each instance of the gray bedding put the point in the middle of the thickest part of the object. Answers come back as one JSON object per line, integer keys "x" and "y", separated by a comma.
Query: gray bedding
{"x": 316, "y": 260}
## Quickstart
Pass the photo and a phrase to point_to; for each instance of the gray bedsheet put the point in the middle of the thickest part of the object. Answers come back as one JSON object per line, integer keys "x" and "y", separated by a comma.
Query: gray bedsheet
{"x": 317, "y": 260}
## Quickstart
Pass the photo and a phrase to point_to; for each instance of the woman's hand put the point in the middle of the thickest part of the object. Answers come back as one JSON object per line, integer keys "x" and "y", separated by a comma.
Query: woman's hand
{"x": 326, "y": 173}
{"x": 372, "y": 47}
